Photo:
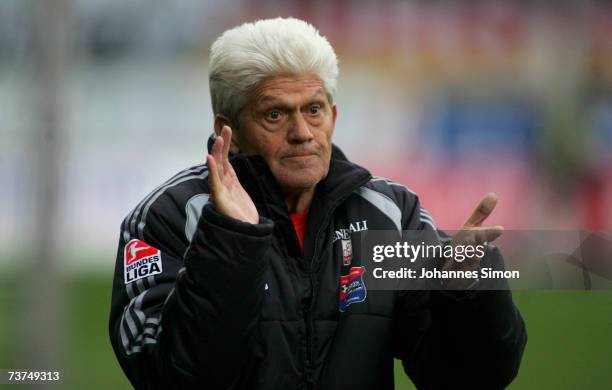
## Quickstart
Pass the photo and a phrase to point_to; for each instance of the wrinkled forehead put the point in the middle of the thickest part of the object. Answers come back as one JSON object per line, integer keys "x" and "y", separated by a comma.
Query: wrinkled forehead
{"x": 287, "y": 90}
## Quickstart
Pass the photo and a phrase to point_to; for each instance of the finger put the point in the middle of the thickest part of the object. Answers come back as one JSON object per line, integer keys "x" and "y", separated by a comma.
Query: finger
{"x": 213, "y": 176}
{"x": 215, "y": 150}
{"x": 226, "y": 133}
{"x": 493, "y": 233}
{"x": 484, "y": 209}
{"x": 488, "y": 234}
{"x": 217, "y": 153}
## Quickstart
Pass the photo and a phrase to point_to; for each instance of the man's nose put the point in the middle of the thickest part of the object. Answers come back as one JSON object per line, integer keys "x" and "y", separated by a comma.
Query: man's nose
{"x": 299, "y": 130}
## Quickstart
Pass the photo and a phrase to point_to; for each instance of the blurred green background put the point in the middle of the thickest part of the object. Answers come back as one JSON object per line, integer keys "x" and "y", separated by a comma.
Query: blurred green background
{"x": 569, "y": 347}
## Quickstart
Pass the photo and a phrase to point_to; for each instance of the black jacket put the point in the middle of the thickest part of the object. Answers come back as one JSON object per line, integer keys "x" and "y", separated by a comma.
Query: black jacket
{"x": 201, "y": 300}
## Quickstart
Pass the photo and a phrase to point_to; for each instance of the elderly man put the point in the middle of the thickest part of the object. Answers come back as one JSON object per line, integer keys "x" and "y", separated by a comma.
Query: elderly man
{"x": 233, "y": 274}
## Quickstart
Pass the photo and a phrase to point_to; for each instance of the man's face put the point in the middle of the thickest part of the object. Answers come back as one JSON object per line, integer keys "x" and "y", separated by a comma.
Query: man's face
{"x": 289, "y": 121}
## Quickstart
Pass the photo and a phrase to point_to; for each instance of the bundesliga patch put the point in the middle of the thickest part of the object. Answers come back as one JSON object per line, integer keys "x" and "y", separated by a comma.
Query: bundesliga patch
{"x": 140, "y": 260}
{"x": 352, "y": 288}
{"x": 347, "y": 251}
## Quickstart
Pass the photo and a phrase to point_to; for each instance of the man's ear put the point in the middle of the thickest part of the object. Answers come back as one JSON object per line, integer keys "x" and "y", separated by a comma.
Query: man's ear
{"x": 220, "y": 121}
{"x": 334, "y": 113}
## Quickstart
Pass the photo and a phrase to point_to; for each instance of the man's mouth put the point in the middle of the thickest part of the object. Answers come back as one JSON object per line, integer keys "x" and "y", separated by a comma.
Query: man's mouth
{"x": 299, "y": 160}
{"x": 300, "y": 155}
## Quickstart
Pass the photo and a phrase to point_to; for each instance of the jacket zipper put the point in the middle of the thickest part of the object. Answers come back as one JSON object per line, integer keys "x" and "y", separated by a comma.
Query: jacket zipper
{"x": 308, "y": 309}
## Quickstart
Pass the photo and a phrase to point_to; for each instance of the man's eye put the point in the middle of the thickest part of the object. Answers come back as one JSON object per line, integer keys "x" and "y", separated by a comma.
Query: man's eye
{"x": 314, "y": 109}
{"x": 273, "y": 115}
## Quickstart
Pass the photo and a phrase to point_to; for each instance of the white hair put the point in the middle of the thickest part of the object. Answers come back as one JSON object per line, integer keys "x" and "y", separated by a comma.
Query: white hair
{"x": 245, "y": 55}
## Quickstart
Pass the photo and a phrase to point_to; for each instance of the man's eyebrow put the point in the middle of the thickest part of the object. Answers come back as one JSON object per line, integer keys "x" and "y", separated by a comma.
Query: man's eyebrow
{"x": 269, "y": 98}
{"x": 319, "y": 91}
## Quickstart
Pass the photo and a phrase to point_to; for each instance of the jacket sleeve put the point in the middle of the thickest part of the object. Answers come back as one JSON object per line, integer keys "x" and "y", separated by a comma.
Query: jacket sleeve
{"x": 457, "y": 339}
{"x": 191, "y": 324}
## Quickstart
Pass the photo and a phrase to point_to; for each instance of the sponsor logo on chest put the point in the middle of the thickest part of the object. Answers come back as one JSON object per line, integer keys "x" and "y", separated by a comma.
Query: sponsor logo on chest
{"x": 140, "y": 260}
{"x": 345, "y": 233}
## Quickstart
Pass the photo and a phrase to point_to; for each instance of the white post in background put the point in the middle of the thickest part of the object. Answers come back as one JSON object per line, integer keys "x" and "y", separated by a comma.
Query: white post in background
{"x": 50, "y": 54}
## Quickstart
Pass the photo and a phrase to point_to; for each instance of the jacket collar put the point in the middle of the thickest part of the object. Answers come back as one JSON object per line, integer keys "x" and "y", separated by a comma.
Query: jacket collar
{"x": 342, "y": 179}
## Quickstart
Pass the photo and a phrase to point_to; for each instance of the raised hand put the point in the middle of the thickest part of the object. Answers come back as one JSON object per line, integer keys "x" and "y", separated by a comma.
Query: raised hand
{"x": 228, "y": 196}
{"x": 473, "y": 233}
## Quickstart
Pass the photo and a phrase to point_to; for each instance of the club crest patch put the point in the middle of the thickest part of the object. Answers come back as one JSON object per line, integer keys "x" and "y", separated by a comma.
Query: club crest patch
{"x": 352, "y": 288}
{"x": 140, "y": 260}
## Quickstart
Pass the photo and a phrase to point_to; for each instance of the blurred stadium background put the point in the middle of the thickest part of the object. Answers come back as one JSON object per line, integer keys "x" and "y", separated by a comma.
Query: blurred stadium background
{"x": 103, "y": 100}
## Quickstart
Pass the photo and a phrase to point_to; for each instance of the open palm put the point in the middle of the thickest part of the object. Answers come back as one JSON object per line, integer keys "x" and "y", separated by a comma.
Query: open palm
{"x": 228, "y": 195}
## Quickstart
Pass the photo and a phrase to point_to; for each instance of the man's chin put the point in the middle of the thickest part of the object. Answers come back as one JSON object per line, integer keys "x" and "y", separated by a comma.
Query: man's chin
{"x": 299, "y": 179}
